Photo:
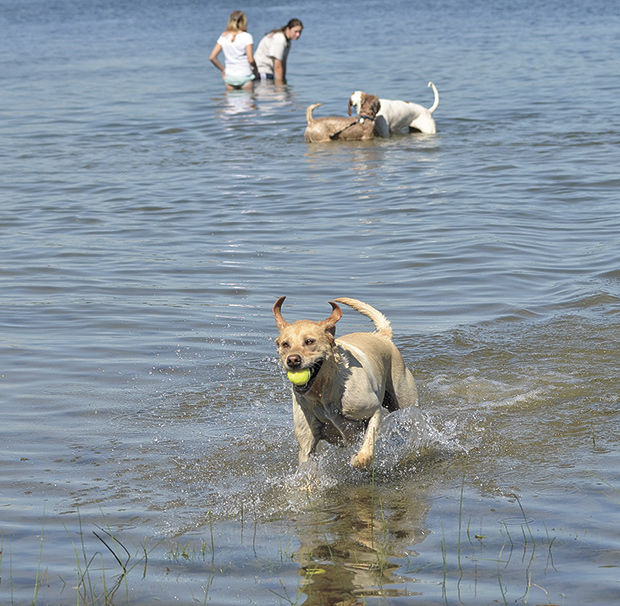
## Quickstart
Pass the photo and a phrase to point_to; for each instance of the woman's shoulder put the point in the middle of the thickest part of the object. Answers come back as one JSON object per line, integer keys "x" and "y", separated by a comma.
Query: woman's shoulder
{"x": 245, "y": 37}
{"x": 274, "y": 34}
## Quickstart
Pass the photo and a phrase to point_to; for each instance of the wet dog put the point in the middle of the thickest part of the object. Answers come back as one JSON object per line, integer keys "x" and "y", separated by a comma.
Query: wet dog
{"x": 394, "y": 115}
{"x": 350, "y": 382}
{"x": 331, "y": 128}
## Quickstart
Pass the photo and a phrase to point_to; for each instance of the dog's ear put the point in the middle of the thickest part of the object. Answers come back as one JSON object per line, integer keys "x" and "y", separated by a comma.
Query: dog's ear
{"x": 281, "y": 323}
{"x": 375, "y": 105}
{"x": 350, "y": 104}
{"x": 330, "y": 323}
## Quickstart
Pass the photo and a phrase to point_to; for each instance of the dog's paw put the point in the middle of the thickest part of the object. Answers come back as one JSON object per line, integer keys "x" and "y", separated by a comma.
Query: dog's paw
{"x": 361, "y": 461}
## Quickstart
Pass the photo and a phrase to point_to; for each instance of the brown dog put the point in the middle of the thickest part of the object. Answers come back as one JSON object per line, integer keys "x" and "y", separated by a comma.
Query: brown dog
{"x": 332, "y": 128}
{"x": 353, "y": 381}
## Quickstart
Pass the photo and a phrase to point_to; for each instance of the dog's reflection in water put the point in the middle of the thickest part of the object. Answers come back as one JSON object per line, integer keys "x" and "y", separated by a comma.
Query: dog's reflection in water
{"x": 350, "y": 549}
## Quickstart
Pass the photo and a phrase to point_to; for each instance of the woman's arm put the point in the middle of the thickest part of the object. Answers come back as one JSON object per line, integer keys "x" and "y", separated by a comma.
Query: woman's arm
{"x": 213, "y": 58}
{"x": 249, "y": 51}
{"x": 279, "y": 71}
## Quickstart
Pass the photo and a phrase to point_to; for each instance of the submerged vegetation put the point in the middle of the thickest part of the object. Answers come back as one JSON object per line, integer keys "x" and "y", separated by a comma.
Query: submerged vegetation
{"x": 501, "y": 558}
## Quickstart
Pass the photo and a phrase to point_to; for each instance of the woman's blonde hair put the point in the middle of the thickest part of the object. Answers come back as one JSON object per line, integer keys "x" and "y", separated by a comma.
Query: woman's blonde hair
{"x": 237, "y": 22}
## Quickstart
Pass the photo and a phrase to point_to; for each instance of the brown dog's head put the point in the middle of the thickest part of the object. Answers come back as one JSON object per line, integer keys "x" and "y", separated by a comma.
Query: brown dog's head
{"x": 370, "y": 106}
{"x": 366, "y": 104}
{"x": 304, "y": 343}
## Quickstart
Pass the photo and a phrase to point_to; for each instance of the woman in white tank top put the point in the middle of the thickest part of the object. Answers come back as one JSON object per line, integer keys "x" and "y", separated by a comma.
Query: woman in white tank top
{"x": 239, "y": 69}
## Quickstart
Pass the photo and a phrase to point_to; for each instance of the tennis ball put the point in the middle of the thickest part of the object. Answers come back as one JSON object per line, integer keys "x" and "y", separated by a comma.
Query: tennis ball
{"x": 299, "y": 377}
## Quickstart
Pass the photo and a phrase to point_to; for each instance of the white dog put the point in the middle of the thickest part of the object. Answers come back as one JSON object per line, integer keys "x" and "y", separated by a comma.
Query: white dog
{"x": 396, "y": 115}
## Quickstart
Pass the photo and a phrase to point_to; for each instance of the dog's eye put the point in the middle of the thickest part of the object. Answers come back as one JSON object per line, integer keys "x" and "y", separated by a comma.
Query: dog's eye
{"x": 310, "y": 341}
{"x": 285, "y": 345}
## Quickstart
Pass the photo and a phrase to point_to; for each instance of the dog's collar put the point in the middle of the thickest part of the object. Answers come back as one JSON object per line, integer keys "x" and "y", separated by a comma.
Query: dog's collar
{"x": 360, "y": 119}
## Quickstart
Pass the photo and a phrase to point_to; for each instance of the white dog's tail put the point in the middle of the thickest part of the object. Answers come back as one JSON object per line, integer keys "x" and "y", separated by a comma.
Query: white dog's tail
{"x": 309, "y": 110}
{"x": 380, "y": 321}
{"x": 435, "y": 104}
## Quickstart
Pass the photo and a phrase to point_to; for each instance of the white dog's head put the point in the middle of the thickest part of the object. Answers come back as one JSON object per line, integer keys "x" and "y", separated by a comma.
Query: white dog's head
{"x": 355, "y": 100}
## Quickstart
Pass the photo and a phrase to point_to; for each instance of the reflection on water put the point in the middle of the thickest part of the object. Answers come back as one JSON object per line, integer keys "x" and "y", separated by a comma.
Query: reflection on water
{"x": 267, "y": 97}
{"x": 273, "y": 97}
{"x": 237, "y": 102}
{"x": 349, "y": 542}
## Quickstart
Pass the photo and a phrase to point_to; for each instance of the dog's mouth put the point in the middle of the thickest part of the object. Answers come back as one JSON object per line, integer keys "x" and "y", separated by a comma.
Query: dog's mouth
{"x": 314, "y": 371}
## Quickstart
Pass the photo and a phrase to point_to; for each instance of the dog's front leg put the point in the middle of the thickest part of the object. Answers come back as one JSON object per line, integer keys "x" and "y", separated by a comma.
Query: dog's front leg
{"x": 363, "y": 458}
{"x": 347, "y": 430}
{"x": 382, "y": 128}
{"x": 307, "y": 432}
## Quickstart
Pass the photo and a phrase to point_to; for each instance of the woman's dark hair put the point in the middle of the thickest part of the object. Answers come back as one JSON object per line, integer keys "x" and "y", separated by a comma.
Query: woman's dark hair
{"x": 291, "y": 23}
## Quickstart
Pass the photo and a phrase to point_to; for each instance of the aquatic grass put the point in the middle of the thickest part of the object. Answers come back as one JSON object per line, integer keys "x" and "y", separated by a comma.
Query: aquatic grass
{"x": 444, "y": 557}
{"x": 210, "y": 518}
{"x": 189, "y": 552}
{"x": 108, "y": 567}
{"x": 86, "y": 588}
{"x": 550, "y": 542}
{"x": 83, "y": 574}
{"x": 460, "y": 525}
{"x": 286, "y": 597}
{"x": 499, "y": 575}
{"x": 10, "y": 566}
{"x": 37, "y": 579}
{"x": 454, "y": 556}
{"x": 527, "y": 524}
{"x": 94, "y": 585}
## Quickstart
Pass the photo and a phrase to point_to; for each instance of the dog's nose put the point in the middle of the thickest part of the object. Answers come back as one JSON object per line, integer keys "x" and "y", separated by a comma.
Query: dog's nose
{"x": 293, "y": 361}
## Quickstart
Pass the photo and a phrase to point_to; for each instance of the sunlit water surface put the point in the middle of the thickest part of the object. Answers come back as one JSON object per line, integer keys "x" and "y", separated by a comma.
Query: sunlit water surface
{"x": 148, "y": 221}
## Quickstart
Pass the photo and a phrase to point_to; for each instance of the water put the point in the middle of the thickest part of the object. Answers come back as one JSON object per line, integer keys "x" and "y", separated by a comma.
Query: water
{"x": 148, "y": 221}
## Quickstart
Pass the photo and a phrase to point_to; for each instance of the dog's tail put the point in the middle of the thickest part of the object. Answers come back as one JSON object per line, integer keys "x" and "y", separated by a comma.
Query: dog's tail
{"x": 435, "y": 104}
{"x": 309, "y": 110}
{"x": 380, "y": 321}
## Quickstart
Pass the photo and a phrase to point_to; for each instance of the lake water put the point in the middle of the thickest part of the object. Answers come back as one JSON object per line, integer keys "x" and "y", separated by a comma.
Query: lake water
{"x": 148, "y": 222}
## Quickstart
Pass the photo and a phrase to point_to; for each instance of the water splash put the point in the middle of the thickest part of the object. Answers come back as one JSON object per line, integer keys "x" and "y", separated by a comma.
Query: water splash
{"x": 408, "y": 440}
{"x": 408, "y": 434}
